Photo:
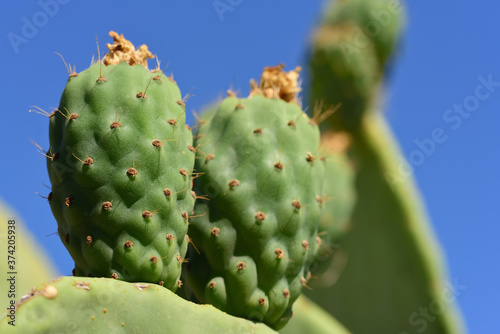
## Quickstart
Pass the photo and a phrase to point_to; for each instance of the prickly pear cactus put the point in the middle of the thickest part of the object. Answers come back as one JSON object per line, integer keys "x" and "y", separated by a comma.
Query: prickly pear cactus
{"x": 310, "y": 318}
{"x": 393, "y": 265}
{"x": 351, "y": 49}
{"x": 256, "y": 237}
{"x": 32, "y": 265}
{"x": 339, "y": 201}
{"x": 100, "y": 305}
{"x": 120, "y": 163}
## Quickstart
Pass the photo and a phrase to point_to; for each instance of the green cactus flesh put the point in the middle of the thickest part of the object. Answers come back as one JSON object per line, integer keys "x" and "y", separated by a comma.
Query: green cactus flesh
{"x": 257, "y": 235}
{"x": 120, "y": 164}
{"x": 310, "y": 318}
{"x": 101, "y": 305}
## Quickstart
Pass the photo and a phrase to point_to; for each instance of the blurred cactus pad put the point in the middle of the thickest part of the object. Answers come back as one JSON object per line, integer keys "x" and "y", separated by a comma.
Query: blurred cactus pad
{"x": 388, "y": 274}
{"x": 31, "y": 262}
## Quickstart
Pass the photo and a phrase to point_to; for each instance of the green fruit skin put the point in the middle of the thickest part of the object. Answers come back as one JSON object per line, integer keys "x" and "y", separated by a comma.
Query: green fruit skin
{"x": 245, "y": 140}
{"x": 123, "y": 240}
{"x": 101, "y": 305}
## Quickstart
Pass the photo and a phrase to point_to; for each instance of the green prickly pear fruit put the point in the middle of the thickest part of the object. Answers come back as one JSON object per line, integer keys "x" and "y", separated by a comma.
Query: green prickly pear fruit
{"x": 120, "y": 164}
{"x": 377, "y": 22}
{"x": 338, "y": 77}
{"x": 257, "y": 236}
{"x": 350, "y": 52}
{"x": 101, "y": 305}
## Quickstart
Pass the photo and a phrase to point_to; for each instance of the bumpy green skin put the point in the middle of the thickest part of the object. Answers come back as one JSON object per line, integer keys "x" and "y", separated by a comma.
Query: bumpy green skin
{"x": 100, "y": 305}
{"x": 340, "y": 198}
{"x": 267, "y": 286}
{"x": 350, "y": 52}
{"x": 114, "y": 151}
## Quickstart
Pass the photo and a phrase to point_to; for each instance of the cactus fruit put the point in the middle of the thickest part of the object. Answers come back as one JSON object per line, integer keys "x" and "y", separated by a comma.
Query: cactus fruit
{"x": 350, "y": 52}
{"x": 257, "y": 235}
{"x": 120, "y": 163}
{"x": 376, "y": 22}
{"x": 101, "y": 305}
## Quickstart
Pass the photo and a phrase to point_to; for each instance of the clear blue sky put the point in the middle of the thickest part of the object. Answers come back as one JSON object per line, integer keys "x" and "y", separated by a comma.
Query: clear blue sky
{"x": 447, "y": 46}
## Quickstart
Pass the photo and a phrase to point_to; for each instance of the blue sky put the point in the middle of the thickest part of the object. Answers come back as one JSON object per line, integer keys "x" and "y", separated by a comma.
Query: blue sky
{"x": 448, "y": 47}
